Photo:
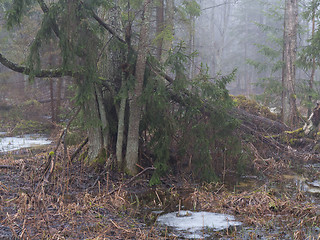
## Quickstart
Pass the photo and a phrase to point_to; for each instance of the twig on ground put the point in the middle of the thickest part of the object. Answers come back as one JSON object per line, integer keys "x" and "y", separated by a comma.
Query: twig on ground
{"x": 117, "y": 226}
{"x": 132, "y": 179}
{"x": 52, "y": 157}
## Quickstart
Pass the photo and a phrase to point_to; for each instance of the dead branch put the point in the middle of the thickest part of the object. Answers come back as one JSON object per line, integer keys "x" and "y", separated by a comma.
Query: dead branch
{"x": 54, "y": 73}
{"x": 79, "y": 149}
{"x": 132, "y": 179}
{"x": 52, "y": 156}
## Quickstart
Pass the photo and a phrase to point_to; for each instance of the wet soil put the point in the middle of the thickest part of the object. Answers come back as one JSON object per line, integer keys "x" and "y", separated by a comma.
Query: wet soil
{"x": 77, "y": 204}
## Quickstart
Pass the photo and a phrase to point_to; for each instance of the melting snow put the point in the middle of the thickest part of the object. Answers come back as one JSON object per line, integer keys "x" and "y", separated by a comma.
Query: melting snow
{"x": 15, "y": 143}
{"x": 313, "y": 187}
{"x": 194, "y": 222}
{"x": 315, "y": 183}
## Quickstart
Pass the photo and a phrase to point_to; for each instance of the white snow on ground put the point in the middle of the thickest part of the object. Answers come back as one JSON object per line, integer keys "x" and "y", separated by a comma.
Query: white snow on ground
{"x": 14, "y": 143}
{"x": 193, "y": 222}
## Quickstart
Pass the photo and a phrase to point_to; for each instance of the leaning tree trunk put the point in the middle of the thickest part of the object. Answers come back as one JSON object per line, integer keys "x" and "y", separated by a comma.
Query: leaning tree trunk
{"x": 135, "y": 106}
{"x": 289, "y": 108}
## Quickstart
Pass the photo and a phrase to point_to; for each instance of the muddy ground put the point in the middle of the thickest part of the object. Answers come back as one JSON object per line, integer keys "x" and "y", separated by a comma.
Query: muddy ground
{"x": 79, "y": 203}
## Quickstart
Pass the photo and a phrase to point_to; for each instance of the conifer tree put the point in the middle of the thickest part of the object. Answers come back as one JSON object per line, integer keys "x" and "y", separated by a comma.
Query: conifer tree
{"x": 128, "y": 102}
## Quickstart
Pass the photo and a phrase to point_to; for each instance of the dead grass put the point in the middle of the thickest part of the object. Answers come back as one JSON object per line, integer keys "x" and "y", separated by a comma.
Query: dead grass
{"x": 259, "y": 207}
{"x": 84, "y": 210}
{"x": 77, "y": 204}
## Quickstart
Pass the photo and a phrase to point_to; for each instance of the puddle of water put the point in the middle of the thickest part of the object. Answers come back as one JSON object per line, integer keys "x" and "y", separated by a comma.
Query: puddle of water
{"x": 15, "y": 143}
{"x": 190, "y": 224}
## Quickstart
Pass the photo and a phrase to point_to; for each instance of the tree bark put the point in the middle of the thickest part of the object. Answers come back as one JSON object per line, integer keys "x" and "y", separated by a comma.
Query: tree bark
{"x": 313, "y": 65}
{"x": 135, "y": 106}
{"x": 191, "y": 45}
{"x": 167, "y": 43}
{"x": 58, "y": 103}
{"x": 289, "y": 108}
{"x": 103, "y": 118}
{"x": 120, "y": 133}
{"x": 54, "y": 73}
{"x": 92, "y": 117}
{"x": 159, "y": 26}
{"x": 53, "y": 113}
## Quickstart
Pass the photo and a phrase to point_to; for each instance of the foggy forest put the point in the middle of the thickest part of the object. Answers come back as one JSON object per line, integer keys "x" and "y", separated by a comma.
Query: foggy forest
{"x": 159, "y": 119}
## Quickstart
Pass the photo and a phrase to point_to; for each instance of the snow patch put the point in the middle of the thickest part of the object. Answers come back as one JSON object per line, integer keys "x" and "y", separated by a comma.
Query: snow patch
{"x": 14, "y": 143}
{"x": 193, "y": 222}
{"x": 315, "y": 183}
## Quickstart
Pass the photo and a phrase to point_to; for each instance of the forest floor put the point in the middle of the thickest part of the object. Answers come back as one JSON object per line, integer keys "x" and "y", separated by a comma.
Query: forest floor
{"x": 78, "y": 203}
{"x": 281, "y": 200}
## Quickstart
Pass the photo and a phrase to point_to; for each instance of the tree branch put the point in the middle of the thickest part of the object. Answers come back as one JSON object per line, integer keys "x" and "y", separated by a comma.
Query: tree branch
{"x": 107, "y": 27}
{"x": 54, "y": 25}
{"x": 54, "y": 73}
{"x": 218, "y": 5}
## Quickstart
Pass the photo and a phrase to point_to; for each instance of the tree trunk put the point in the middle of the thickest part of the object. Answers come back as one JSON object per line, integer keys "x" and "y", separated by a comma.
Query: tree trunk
{"x": 92, "y": 117}
{"x": 159, "y": 26}
{"x": 191, "y": 45}
{"x": 58, "y": 103}
{"x": 135, "y": 106}
{"x": 313, "y": 66}
{"x": 289, "y": 108}
{"x": 120, "y": 133}
{"x": 167, "y": 43}
{"x": 103, "y": 117}
{"x": 53, "y": 113}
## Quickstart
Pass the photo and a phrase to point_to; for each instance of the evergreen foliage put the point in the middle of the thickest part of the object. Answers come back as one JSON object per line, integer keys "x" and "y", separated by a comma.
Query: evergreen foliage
{"x": 308, "y": 57}
{"x": 18, "y": 9}
{"x": 184, "y": 122}
{"x": 190, "y": 131}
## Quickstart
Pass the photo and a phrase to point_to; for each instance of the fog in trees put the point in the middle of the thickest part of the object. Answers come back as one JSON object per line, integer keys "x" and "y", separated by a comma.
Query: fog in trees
{"x": 248, "y": 35}
{"x": 153, "y": 106}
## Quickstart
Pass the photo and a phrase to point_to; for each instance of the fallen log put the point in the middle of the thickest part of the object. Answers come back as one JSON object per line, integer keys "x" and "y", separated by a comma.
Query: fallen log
{"x": 258, "y": 123}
